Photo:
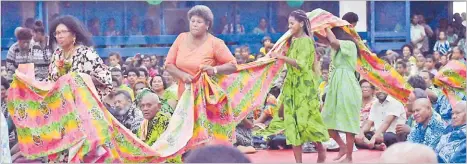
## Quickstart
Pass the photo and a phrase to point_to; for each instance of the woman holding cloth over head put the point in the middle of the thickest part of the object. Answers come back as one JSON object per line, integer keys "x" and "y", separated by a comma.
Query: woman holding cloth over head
{"x": 302, "y": 118}
{"x": 344, "y": 98}
{"x": 198, "y": 50}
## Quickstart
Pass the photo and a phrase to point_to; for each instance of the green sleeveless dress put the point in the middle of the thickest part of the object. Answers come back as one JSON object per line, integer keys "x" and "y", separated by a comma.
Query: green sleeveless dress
{"x": 341, "y": 109}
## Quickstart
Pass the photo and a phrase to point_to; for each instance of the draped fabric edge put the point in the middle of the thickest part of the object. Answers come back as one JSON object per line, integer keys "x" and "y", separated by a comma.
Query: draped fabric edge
{"x": 451, "y": 79}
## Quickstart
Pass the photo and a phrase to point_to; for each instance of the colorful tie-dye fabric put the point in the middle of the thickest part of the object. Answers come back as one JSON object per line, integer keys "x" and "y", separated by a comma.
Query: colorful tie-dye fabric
{"x": 211, "y": 107}
{"x": 451, "y": 79}
{"x": 209, "y": 110}
{"x": 375, "y": 70}
{"x": 61, "y": 118}
{"x": 68, "y": 117}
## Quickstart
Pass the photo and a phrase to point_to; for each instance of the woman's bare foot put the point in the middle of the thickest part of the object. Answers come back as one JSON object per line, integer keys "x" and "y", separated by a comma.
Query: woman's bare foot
{"x": 321, "y": 152}
{"x": 381, "y": 147}
{"x": 342, "y": 152}
{"x": 346, "y": 160}
{"x": 321, "y": 158}
{"x": 370, "y": 145}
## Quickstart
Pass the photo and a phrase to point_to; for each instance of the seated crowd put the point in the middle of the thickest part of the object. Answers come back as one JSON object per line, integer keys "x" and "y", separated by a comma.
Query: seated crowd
{"x": 144, "y": 97}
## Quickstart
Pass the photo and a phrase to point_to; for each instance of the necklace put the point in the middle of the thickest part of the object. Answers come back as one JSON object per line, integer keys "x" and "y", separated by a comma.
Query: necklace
{"x": 68, "y": 54}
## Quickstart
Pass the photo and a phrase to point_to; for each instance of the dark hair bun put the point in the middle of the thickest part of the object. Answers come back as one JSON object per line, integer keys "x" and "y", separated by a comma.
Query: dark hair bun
{"x": 39, "y": 23}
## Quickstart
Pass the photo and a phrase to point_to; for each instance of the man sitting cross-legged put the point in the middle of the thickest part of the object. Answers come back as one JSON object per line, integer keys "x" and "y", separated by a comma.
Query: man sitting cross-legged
{"x": 385, "y": 114}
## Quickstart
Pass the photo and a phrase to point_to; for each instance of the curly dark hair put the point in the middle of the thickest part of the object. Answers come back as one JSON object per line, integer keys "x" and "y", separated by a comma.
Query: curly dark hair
{"x": 24, "y": 34}
{"x": 417, "y": 82}
{"x": 408, "y": 46}
{"x": 134, "y": 70}
{"x": 83, "y": 37}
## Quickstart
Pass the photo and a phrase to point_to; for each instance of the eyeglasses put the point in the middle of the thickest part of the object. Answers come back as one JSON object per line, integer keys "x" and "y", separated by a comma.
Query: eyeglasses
{"x": 57, "y": 33}
{"x": 366, "y": 87}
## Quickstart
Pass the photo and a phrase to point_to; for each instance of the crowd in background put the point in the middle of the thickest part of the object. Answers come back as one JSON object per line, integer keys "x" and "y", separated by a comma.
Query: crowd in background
{"x": 384, "y": 120}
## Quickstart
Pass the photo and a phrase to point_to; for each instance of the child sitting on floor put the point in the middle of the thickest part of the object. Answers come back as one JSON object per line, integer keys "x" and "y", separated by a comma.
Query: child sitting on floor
{"x": 267, "y": 45}
{"x": 246, "y": 56}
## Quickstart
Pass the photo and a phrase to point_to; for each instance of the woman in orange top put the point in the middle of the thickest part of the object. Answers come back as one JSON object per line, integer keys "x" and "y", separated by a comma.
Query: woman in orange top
{"x": 198, "y": 50}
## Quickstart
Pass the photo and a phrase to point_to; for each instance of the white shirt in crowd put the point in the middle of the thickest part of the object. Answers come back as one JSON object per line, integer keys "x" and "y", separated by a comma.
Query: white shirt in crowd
{"x": 390, "y": 106}
{"x": 416, "y": 33}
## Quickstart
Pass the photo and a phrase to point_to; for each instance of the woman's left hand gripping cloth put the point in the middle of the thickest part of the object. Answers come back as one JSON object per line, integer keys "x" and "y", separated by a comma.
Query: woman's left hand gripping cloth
{"x": 66, "y": 115}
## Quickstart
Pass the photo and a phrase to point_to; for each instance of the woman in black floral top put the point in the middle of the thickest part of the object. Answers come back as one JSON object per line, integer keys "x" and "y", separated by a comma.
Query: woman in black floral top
{"x": 75, "y": 54}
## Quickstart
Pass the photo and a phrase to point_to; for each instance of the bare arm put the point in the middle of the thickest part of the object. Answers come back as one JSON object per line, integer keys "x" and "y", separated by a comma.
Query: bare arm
{"x": 226, "y": 68}
{"x": 247, "y": 123}
{"x": 322, "y": 39}
{"x": 420, "y": 39}
{"x": 174, "y": 71}
{"x": 387, "y": 122}
{"x": 262, "y": 118}
{"x": 15, "y": 149}
{"x": 332, "y": 39}
{"x": 10, "y": 62}
{"x": 289, "y": 61}
{"x": 429, "y": 32}
{"x": 366, "y": 127}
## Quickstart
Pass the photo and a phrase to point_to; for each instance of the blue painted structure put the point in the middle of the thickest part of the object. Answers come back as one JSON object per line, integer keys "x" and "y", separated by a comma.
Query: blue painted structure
{"x": 381, "y": 34}
{"x": 390, "y": 21}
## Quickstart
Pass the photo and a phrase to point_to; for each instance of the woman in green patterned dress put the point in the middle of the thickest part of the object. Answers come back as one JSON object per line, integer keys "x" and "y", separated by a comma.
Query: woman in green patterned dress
{"x": 344, "y": 97}
{"x": 302, "y": 118}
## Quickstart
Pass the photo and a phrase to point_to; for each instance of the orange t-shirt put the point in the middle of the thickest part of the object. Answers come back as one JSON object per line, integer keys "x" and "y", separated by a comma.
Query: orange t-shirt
{"x": 212, "y": 52}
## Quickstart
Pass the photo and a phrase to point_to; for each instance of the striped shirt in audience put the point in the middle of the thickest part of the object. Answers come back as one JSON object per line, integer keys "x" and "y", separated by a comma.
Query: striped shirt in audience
{"x": 35, "y": 54}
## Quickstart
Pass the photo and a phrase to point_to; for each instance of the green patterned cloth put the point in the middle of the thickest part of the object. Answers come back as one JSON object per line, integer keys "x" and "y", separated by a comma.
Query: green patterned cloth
{"x": 166, "y": 97}
{"x": 302, "y": 118}
{"x": 156, "y": 127}
{"x": 344, "y": 98}
{"x": 275, "y": 126}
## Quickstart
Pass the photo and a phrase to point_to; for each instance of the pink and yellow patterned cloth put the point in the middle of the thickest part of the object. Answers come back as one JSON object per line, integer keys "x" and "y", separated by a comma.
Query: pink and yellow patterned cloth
{"x": 67, "y": 115}
{"x": 451, "y": 79}
{"x": 375, "y": 70}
